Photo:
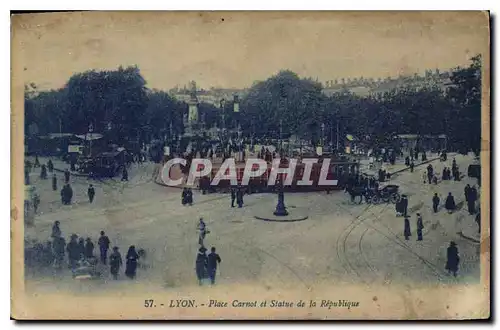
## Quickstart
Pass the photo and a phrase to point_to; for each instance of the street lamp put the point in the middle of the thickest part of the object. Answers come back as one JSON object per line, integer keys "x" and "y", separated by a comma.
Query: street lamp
{"x": 91, "y": 129}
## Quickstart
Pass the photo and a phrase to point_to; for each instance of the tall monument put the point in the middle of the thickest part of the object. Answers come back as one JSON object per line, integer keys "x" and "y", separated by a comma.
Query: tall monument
{"x": 193, "y": 103}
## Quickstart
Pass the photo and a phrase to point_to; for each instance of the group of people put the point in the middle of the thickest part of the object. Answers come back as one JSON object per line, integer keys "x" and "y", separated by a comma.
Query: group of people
{"x": 81, "y": 256}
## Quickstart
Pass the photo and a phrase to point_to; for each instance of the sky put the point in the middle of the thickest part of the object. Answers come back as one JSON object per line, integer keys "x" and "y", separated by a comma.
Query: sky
{"x": 234, "y": 49}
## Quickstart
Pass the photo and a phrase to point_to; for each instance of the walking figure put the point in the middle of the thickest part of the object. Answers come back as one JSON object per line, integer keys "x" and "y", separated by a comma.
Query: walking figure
{"x": 201, "y": 264}
{"x": 115, "y": 262}
{"x": 452, "y": 259}
{"x": 420, "y": 226}
{"x": 91, "y": 193}
{"x": 435, "y": 202}
{"x": 407, "y": 230}
{"x": 131, "y": 266}
{"x": 202, "y": 227}
{"x": 103, "y": 246}
{"x": 213, "y": 260}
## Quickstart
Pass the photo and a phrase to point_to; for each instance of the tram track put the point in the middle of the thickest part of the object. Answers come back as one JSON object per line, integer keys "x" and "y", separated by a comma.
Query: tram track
{"x": 392, "y": 237}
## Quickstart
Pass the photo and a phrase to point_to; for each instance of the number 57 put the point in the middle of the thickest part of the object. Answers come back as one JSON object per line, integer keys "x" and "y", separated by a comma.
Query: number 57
{"x": 148, "y": 303}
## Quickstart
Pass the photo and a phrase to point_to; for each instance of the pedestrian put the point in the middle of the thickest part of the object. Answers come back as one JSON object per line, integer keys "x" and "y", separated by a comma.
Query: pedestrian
{"x": 471, "y": 202}
{"x": 412, "y": 166}
{"x": 81, "y": 248}
{"x": 430, "y": 173}
{"x": 478, "y": 221}
{"x": 37, "y": 162}
{"x": 26, "y": 176}
{"x": 58, "y": 246}
{"x": 89, "y": 249}
{"x": 54, "y": 182}
{"x": 115, "y": 262}
{"x": 131, "y": 266}
{"x": 50, "y": 166}
{"x": 420, "y": 226}
{"x": 239, "y": 196}
{"x": 202, "y": 228}
{"x": 233, "y": 195}
{"x": 452, "y": 259}
{"x": 184, "y": 196}
{"x": 435, "y": 202}
{"x": 213, "y": 260}
{"x": 201, "y": 264}
{"x": 66, "y": 194}
{"x": 43, "y": 172}
{"x": 189, "y": 196}
{"x": 67, "y": 175}
{"x": 407, "y": 161}
{"x": 125, "y": 174}
{"x": 404, "y": 205}
{"x": 450, "y": 203}
{"x": 91, "y": 193}
{"x": 73, "y": 251}
{"x": 36, "y": 200}
{"x": 407, "y": 230}
{"x": 103, "y": 246}
{"x": 444, "y": 174}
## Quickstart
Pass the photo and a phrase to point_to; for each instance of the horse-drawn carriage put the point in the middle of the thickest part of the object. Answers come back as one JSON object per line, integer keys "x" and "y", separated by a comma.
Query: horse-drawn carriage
{"x": 388, "y": 193}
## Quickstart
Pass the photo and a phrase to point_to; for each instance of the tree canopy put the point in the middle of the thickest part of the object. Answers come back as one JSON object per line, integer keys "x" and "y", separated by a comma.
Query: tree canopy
{"x": 117, "y": 102}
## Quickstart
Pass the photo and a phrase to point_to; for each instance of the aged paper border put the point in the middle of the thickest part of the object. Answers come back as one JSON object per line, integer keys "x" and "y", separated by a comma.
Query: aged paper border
{"x": 395, "y": 302}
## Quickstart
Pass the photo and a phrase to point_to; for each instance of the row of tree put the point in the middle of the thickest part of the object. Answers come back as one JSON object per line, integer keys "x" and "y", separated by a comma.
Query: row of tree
{"x": 118, "y": 103}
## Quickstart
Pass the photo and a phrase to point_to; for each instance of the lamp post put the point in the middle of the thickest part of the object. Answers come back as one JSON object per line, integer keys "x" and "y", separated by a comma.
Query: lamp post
{"x": 91, "y": 129}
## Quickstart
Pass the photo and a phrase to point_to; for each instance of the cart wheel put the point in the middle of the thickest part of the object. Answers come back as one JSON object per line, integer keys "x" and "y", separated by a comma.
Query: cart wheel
{"x": 375, "y": 199}
{"x": 395, "y": 198}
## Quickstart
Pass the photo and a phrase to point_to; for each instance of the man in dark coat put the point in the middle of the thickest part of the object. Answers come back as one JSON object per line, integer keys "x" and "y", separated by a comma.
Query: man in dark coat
{"x": 103, "y": 246}
{"x": 50, "y": 166}
{"x": 450, "y": 203}
{"x": 125, "y": 174}
{"x": 67, "y": 175}
{"x": 471, "y": 200}
{"x": 444, "y": 174}
{"x": 412, "y": 166}
{"x": 54, "y": 182}
{"x": 239, "y": 196}
{"x": 89, "y": 249}
{"x": 73, "y": 252}
{"x": 115, "y": 262}
{"x": 184, "y": 196}
{"x": 407, "y": 230}
{"x": 404, "y": 205}
{"x": 407, "y": 161}
{"x": 43, "y": 172}
{"x": 452, "y": 259}
{"x": 430, "y": 173}
{"x": 201, "y": 264}
{"x": 213, "y": 260}
{"x": 37, "y": 162}
{"x": 435, "y": 202}
{"x": 58, "y": 246}
{"x": 26, "y": 176}
{"x": 81, "y": 248}
{"x": 189, "y": 196}
{"x": 420, "y": 226}
{"x": 56, "y": 231}
{"x": 91, "y": 193}
{"x": 233, "y": 195}
{"x": 66, "y": 194}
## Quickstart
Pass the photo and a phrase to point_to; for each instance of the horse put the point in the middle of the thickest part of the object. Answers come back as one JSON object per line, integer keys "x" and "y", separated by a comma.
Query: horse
{"x": 356, "y": 192}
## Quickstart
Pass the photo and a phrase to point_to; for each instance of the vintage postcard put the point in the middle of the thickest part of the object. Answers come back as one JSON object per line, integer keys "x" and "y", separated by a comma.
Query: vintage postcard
{"x": 250, "y": 165}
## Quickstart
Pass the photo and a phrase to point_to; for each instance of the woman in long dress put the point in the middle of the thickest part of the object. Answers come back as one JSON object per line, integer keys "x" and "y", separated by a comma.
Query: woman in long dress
{"x": 131, "y": 267}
